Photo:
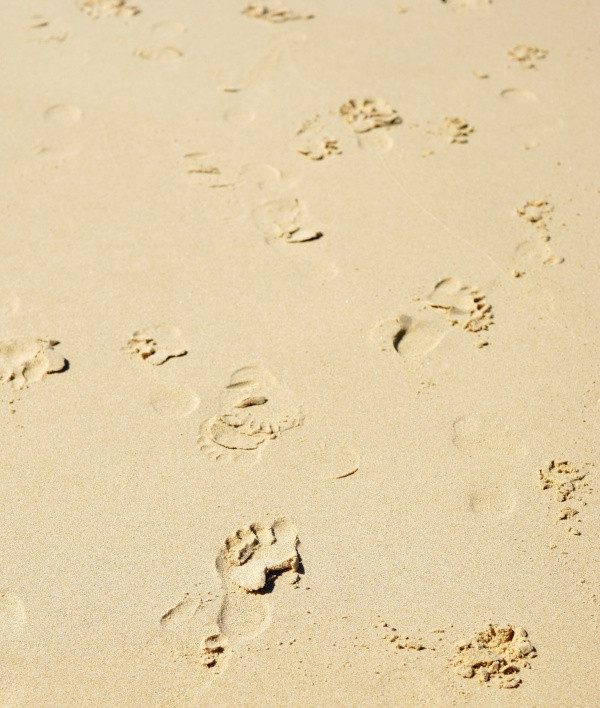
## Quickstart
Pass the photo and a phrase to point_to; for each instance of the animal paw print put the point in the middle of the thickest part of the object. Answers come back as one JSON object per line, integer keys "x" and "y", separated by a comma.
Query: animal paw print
{"x": 464, "y": 306}
{"x": 258, "y": 11}
{"x": 363, "y": 115}
{"x": 255, "y": 411}
{"x": 156, "y": 344}
{"x": 527, "y": 56}
{"x": 499, "y": 653}
{"x": 98, "y": 9}
{"x": 25, "y": 360}
{"x": 285, "y": 219}
{"x": 569, "y": 484}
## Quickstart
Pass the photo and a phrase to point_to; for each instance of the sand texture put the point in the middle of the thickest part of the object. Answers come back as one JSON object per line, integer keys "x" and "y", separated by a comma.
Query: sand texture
{"x": 299, "y": 353}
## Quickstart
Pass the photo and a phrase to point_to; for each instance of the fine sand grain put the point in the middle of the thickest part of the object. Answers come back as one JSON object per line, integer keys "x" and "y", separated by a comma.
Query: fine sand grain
{"x": 299, "y": 387}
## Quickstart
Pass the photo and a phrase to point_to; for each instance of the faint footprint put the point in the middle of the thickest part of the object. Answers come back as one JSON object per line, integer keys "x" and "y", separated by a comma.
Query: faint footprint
{"x": 286, "y": 219}
{"x": 259, "y": 11}
{"x": 156, "y": 344}
{"x": 538, "y": 214}
{"x": 519, "y": 95}
{"x": 58, "y": 145}
{"x": 41, "y": 26}
{"x": 467, "y": 4}
{"x": 314, "y": 141}
{"x": 166, "y": 30}
{"x": 473, "y": 433}
{"x": 255, "y": 410}
{"x": 63, "y": 115}
{"x": 25, "y": 360}
{"x": 13, "y": 616}
{"x": 164, "y": 54}
{"x": 526, "y": 56}
{"x": 208, "y": 174}
{"x": 494, "y": 502}
{"x": 174, "y": 402}
{"x": 98, "y": 9}
{"x": 457, "y": 130}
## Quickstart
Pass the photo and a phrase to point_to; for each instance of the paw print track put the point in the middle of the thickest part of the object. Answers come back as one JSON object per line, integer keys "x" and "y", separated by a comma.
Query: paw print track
{"x": 25, "y": 360}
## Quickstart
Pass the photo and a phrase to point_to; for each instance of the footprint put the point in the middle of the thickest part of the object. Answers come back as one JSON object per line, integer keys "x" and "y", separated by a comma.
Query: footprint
{"x": 248, "y": 563}
{"x": 13, "y": 616}
{"x": 25, "y": 360}
{"x": 498, "y": 654}
{"x": 537, "y": 213}
{"x": 41, "y": 26}
{"x": 527, "y": 56}
{"x": 376, "y": 141}
{"x": 239, "y": 115}
{"x": 164, "y": 54}
{"x": 493, "y": 503}
{"x": 409, "y": 336}
{"x": 314, "y": 141}
{"x": 156, "y": 344}
{"x": 285, "y": 219}
{"x": 255, "y": 410}
{"x": 518, "y": 95}
{"x": 457, "y": 130}
{"x": 63, "y": 115}
{"x": 464, "y": 306}
{"x": 208, "y": 174}
{"x": 363, "y": 115}
{"x": 174, "y": 402}
{"x": 98, "y": 9}
{"x": 258, "y": 11}
{"x": 475, "y": 433}
{"x": 570, "y": 485}
{"x": 166, "y": 30}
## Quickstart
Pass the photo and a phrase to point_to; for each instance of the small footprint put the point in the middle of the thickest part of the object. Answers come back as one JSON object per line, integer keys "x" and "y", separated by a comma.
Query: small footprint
{"x": 410, "y": 336}
{"x": 286, "y": 219}
{"x": 255, "y": 410}
{"x": 156, "y": 344}
{"x": 63, "y": 115}
{"x": 98, "y": 9}
{"x": 13, "y": 616}
{"x": 314, "y": 141}
{"x": 457, "y": 130}
{"x": 570, "y": 486}
{"x": 258, "y": 11}
{"x": 527, "y": 56}
{"x": 58, "y": 145}
{"x": 25, "y": 360}
{"x": 464, "y": 306}
{"x": 208, "y": 174}
{"x": 519, "y": 95}
{"x": 538, "y": 213}
{"x": 41, "y": 25}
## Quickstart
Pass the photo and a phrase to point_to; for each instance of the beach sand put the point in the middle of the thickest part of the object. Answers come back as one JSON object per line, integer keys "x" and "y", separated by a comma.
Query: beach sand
{"x": 299, "y": 353}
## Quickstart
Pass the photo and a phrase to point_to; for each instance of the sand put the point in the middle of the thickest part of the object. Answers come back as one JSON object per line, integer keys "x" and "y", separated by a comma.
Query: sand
{"x": 299, "y": 349}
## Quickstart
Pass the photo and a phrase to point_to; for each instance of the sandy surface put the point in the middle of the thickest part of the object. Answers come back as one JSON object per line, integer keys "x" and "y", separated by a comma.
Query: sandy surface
{"x": 299, "y": 353}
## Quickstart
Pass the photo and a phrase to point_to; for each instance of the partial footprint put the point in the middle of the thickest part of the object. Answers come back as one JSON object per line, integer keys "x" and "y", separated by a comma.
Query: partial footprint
{"x": 57, "y": 144}
{"x": 492, "y": 503}
{"x": 43, "y": 30}
{"x": 457, "y": 130}
{"x": 314, "y": 139}
{"x": 255, "y": 410}
{"x": 63, "y": 115}
{"x": 464, "y": 306}
{"x": 570, "y": 486}
{"x": 363, "y": 115}
{"x": 285, "y": 218}
{"x": 537, "y": 213}
{"x": 12, "y": 615}
{"x": 409, "y": 336}
{"x": 526, "y": 56}
{"x": 162, "y": 54}
{"x": 98, "y": 9}
{"x": 25, "y": 360}
{"x": 258, "y": 11}
{"x": 519, "y": 95}
{"x": 174, "y": 402}
{"x": 467, "y": 4}
{"x": 498, "y": 654}
{"x": 207, "y": 172}
{"x": 156, "y": 344}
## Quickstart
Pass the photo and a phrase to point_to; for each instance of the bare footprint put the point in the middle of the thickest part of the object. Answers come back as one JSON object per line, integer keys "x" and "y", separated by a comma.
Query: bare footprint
{"x": 570, "y": 486}
{"x": 464, "y": 306}
{"x": 527, "y": 56}
{"x": 259, "y": 11}
{"x": 285, "y": 219}
{"x": 457, "y": 130}
{"x": 314, "y": 139}
{"x": 156, "y": 344}
{"x": 467, "y": 4}
{"x": 255, "y": 410}
{"x": 409, "y": 336}
{"x": 98, "y": 9}
{"x": 161, "y": 54}
{"x": 538, "y": 214}
{"x": 25, "y": 360}
{"x": 248, "y": 563}
{"x": 58, "y": 142}
{"x": 63, "y": 115}
{"x": 13, "y": 616}
{"x": 519, "y": 95}
{"x": 363, "y": 115}
{"x": 174, "y": 402}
